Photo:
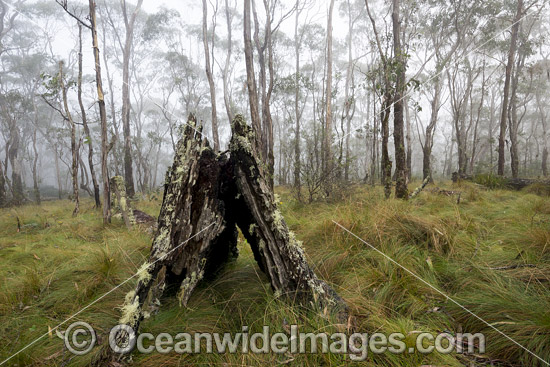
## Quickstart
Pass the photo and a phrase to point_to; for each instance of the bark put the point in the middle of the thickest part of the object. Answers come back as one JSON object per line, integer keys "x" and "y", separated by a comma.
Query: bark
{"x": 85, "y": 123}
{"x": 401, "y": 190}
{"x": 279, "y": 254}
{"x": 193, "y": 238}
{"x": 129, "y": 23}
{"x": 74, "y": 148}
{"x": 209, "y": 76}
{"x": 197, "y": 233}
{"x": 103, "y": 116}
{"x": 506, "y": 91}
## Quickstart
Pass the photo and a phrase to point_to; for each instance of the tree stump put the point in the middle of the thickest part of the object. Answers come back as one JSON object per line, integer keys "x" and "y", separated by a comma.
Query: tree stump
{"x": 206, "y": 196}
{"x": 278, "y": 253}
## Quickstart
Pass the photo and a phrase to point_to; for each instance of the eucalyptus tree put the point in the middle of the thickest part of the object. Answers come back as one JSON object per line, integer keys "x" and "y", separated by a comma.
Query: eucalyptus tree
{"x": 91, "y": 24}
{"x": 208, "y": 41}
{"x": 506, "y": 91}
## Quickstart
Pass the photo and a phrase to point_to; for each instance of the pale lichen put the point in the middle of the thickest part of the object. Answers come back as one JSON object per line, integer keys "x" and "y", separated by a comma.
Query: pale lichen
{"x": 251, "y": 229}
{"x": 278, "y": 220}
{"x": 144, "y": 273}
{"x": 294, "y": 242}
{"x": 130, "y": 310}
{"x": 317, "y": 288}
{"x": 187, "y": 286}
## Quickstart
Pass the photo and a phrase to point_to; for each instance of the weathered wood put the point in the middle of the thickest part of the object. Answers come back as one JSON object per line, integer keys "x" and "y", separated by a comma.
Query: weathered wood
{"x": 419, "y": 189}
{"x": 193, "y": 237}
{"x": 276, "y": 249}
{"x": 206, "y": 196}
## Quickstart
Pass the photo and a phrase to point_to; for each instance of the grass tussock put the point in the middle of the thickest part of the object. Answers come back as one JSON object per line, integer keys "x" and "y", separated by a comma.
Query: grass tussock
{"x": 490, "y": 252}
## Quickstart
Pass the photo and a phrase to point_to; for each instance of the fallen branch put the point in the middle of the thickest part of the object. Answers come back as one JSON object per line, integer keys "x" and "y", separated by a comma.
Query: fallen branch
{"x": 419, "y": 189}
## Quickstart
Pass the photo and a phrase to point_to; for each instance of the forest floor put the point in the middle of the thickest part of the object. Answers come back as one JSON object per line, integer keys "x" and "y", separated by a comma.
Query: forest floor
{"x": 490, "y": 252}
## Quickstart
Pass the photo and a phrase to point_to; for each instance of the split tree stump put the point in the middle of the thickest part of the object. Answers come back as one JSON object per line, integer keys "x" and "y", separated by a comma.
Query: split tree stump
{"x": 206, "y": 197}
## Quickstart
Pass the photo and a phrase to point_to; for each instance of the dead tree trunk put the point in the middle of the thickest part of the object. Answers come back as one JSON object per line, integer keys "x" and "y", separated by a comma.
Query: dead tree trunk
{"x": 197, "y": 232}
{"x": 276, "y": 249}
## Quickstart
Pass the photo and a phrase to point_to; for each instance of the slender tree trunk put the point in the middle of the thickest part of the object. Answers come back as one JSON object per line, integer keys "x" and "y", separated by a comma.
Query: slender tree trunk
{"x": 475, "y": 139}
{"x": 36, "y": 187}
{"x": 74, "y": 148}
{"x": 126, "y": 54}
{"x": 58, "y": 173}
{"x": 513, "y": 116}
{"x": 401, "y": 190}
{"x": 89, "y": 141}
{"x": 103, "y": 117}
{"x": 13, "y": 155}
{"x": 209, "y": 75}
{"x": 544, "y": 163}
{"x": 297, "y": 153}
{"x": 328, "y": 98}
{"x": 2, "y": 187}
{"x": 250, "y": 77}
{"x": 428, "y": 138}
{"x": 506, "y": 91}
{"x": 349, "y": 103}
{"x": 265, "y": 88}
{"x": 408, "y": 139}
{"x": 386, "y": 162}
{"x": 491, "y": 122}
{"x": 35, "y": 170}
{"x": 226, "y": 93}
{"x": 116, "y": 157}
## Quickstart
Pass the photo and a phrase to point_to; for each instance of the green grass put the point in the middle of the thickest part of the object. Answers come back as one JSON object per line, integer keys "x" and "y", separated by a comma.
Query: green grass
{"x": 58, "y": 264}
